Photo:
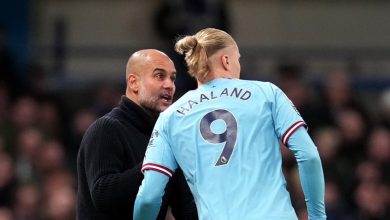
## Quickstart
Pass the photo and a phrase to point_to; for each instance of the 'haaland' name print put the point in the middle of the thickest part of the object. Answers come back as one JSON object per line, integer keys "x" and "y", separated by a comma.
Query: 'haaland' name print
{"x": 235, "y": 93}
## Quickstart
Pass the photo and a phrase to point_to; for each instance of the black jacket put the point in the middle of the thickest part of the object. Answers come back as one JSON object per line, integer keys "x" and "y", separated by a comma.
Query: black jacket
{"x": 109, "y": 163}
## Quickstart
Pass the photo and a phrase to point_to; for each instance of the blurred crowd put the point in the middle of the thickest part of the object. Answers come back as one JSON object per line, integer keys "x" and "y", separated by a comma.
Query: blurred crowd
{"x": 40, "y": 135}
{"x": 39, "y": 140}
{"x": 41, "y": 129}
{"x": 353, "y": 138}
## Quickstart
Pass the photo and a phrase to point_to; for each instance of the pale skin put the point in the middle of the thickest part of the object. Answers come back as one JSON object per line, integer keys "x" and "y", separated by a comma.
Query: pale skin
{"x": 150, "y": 76}
{"x": 224, "y": 63}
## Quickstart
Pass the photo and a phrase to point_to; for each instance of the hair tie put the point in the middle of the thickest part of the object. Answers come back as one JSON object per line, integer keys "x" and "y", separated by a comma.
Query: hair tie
{"x": 190, "y": 51}
{"x": 196, "y": 44}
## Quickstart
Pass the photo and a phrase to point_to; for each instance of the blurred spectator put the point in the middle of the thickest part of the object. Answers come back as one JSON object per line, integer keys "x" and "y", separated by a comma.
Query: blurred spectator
{"x": 378, "y": 150}
{"x": 290, "y": 77}
{"x": 51, "y": 157}
{"x": 367, "y": 171}
{"x": 106, "y": 98}
{"x": 27, "y": 203}
{"x": 49, "y": 120}
{"x": 379, "y": 145}
{"x": 58, "y": 179}
{"x": 60, "y": 205}
{"x": 5, "y": 214}
{"x": 59, "y": 195}
{"x": 7, "y": 180}
{"x": 336, "y": 209}
{"x": 287, "y": 75}
{"x": 179, "y": 17}
{"x": 175, "y": 18}
{"x": 339, "y": 94}
{"x": 370, "y": 199}
{"x": 327, "y": 140}
{"x": 24, "y": 112}
{"x": 29, "y": 143}
{"x": 353, "y": 129}
{"x": 81, "y": 120}
{"x": 384, "y": 108}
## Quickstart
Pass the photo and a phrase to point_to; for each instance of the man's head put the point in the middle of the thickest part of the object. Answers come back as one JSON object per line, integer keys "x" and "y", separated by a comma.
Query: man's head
{"x": 150, "y": 76}
{"x": 210, "y": 53}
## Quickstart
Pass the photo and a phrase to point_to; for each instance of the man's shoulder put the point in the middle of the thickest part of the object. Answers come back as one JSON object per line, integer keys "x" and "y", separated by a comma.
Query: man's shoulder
{"x": 105, "y": 122}
{"x": 102, "y": 127}
{"x": 258, "y": 83}
{"x": 263, "y": 87}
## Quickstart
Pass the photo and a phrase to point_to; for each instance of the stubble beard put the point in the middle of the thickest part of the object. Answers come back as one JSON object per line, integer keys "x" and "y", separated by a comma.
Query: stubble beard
{"x": 149, "y": 101}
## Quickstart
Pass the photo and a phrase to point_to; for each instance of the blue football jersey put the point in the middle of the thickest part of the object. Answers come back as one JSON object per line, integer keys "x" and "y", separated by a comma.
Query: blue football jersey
{"x": 225, "y": 137}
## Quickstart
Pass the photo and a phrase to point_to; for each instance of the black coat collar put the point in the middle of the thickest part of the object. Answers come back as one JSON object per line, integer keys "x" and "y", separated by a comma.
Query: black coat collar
{"x": 136, "y": 115}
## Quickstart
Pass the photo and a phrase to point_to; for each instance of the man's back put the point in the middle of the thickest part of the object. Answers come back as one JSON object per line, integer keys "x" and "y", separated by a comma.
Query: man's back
{"x": 224, "y": 136}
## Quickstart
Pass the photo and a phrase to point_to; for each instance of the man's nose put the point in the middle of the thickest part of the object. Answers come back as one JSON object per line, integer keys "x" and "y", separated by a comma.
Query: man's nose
{"x": 169, "y": 84}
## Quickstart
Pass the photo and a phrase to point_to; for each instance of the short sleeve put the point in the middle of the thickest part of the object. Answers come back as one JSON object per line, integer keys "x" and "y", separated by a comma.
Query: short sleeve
{"x": 159, "y": 156}
{"x": 285, "y": 115}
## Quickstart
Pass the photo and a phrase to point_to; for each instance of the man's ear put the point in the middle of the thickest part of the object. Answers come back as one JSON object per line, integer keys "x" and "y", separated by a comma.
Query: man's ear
{"x": 225, "y": 62}
{"x": 133, "y": 82}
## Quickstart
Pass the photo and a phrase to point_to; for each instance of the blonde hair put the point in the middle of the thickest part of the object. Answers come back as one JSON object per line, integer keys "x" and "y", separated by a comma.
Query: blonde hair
{"x": 199, "y": 47}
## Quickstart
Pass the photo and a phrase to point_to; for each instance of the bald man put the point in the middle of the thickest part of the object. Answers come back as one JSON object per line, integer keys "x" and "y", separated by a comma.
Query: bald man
{"x": 111, "y": 152}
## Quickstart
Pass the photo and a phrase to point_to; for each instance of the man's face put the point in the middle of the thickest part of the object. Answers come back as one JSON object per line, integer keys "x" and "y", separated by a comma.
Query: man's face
{"x": 156, "y": 88}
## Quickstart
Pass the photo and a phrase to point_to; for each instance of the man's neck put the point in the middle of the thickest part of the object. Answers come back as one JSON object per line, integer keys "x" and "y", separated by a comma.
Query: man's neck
{"x": 150, "y": 112}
